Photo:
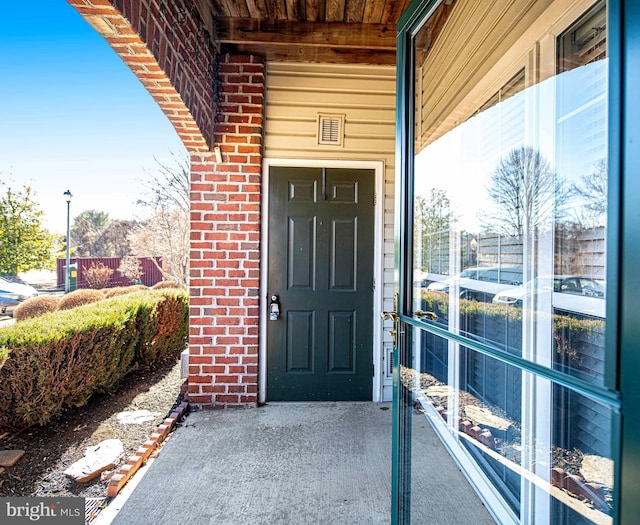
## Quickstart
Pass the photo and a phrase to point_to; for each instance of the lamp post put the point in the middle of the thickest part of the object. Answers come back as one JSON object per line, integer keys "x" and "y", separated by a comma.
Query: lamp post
{"x": 67, "y": 269}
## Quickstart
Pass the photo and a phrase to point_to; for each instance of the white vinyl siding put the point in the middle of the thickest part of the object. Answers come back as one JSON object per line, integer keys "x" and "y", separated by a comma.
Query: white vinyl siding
{"x": 296, "y": 94}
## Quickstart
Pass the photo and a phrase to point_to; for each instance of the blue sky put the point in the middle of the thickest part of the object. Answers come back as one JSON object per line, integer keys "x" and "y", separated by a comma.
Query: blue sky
{"x": 73, "y": 116}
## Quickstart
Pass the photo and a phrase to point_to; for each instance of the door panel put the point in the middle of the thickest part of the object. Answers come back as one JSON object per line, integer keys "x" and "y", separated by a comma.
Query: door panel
{"x": 342, "y": 342}
{"x": 321, "y": 225}
{"x": 300, "y": 335}
{"x": 301, "y": 252}
{"x": 344, "y": 251}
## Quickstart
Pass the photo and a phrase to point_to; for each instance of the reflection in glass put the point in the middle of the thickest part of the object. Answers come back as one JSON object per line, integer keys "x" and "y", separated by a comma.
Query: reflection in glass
{"x": 509, "y": 248}
{"x": 494, "y": 411}
{"x": 510, "y": 197}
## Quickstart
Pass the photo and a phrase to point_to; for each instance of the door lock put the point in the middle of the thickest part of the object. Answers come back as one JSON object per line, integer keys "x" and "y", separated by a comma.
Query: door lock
{"x": 274, "y": 308}
{"x": 393, "y": 316}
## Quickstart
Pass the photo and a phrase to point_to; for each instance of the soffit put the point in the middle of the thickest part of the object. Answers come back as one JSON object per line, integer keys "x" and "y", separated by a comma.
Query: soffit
{"x": 332, "y": 31}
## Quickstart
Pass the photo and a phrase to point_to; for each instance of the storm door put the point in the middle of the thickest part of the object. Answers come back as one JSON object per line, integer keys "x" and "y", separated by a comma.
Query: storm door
{"x": 320, "y": 284}
{"x": 503, "y": 208}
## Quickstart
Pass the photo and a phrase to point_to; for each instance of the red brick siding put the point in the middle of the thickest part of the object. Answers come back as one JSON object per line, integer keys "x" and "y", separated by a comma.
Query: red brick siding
{"x": 225, "y": 245}
{"x": 166, "y": 46}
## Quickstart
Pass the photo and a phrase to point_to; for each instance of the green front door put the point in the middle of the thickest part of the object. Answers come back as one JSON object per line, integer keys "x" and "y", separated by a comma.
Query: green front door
{"x": 321, "y": 224}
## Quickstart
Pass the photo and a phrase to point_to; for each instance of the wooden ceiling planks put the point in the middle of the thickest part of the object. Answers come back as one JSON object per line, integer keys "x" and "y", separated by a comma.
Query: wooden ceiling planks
{"x": 354, "y": 11}
{"x": 316, "y": 34}
{"x": 328, "y": 55}
{"x": 337, "y": 31}
{"x": 334, "y": 10}
{"x": 315, "y": 10}
{"x": 277, "y": 9}
{"x": 258, "y": 9}
{"x": 373, "y": 10}
{"x": 295, "y": 10}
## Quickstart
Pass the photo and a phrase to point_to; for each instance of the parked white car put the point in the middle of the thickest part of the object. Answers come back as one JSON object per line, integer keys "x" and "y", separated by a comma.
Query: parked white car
{"x": 479, "y": 283}
{"x": 573, "y": 293}
{"x": 12, "y": 294}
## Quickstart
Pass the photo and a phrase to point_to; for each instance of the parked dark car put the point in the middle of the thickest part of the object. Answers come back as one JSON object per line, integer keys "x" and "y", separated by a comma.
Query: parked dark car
{"x": 12, "y": 294}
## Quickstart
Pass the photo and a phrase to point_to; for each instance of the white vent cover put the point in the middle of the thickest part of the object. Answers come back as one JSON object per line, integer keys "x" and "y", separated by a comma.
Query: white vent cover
{"x": 388, "y": 362}
{"x": 330, "y": 129}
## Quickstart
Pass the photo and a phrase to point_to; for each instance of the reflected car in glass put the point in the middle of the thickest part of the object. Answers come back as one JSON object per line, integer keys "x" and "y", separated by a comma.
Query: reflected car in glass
{"x": 479, "y": 283}
{"x": 12, "y": 294}
{"x": 561, "y": 287}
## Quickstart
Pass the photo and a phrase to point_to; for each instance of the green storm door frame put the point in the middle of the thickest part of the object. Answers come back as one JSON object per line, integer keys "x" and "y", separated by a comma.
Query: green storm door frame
{"x": 623, "y": 259}
{"x": 321, "y": 266}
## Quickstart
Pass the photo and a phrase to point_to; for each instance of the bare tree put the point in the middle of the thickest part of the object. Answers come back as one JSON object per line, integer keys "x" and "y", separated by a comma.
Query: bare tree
{"x": 434, "y": 220}
{"x": 165, "y": 233}
{"x": 131, "y": 268}
{"x": 591, "y": 192}
{"x": 526, "y": 192}
{"x": 170, "y": 186}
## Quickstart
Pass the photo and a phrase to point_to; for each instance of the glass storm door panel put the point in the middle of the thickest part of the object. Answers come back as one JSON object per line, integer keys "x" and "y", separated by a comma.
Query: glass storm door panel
{"x": 504, "y": 240}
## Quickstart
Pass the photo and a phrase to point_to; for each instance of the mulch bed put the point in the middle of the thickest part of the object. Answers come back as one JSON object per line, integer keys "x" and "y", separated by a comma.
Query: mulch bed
{"x": 52, "y": 448}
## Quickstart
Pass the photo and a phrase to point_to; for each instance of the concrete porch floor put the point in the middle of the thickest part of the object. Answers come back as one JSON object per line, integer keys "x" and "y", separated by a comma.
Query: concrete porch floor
{"x": 295, "y": 463}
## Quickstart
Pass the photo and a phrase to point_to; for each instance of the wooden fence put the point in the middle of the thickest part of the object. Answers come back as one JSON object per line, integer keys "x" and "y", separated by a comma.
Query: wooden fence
{"x": 150, "y": 273}
{"x": 577, "y": 251}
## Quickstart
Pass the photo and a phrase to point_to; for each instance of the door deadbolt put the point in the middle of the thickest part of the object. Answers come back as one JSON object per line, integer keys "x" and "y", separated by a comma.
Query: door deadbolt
{"x": 274, "y": 307}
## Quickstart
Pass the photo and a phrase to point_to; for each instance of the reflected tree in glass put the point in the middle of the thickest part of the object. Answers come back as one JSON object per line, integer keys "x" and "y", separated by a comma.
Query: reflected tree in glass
{"x": 434, "y": 220}
{"x": 526, "y": 192}
{"x": 592, "y": 192}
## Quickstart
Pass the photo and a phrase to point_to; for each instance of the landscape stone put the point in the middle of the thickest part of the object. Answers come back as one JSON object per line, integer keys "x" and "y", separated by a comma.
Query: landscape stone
{"x": 103, "y": 456}
{"x": 597, "y": 469}
{"x": 484, "y": 417}
{"x": 440, "y": 391}
{"x": 8, "y": 458}
{"x": 136, "y": 417}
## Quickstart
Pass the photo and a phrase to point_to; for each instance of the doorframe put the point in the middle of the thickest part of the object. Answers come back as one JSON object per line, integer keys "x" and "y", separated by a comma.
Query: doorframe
{"x": 378, "y": 258}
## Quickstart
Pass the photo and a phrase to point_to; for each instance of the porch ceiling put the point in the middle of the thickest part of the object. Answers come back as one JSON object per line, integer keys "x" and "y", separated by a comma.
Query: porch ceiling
{"x": 334, "y": 31}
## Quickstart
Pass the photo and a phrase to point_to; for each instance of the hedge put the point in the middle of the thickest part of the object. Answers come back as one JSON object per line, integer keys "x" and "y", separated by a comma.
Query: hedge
{"x": 569, "y": 331}
{"x": 60, "y": 359}
{"x": 80, "y": 297}
{"x": 439, "y": 304}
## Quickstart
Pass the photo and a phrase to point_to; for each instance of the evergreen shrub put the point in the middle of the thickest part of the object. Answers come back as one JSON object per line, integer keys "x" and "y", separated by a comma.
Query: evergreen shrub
{"x": 80, "y": 297}
{"x": 165, "y": 284}
{"x": 36, "y": 306}
{"x": 123, "y": 290}
{"x": 60, "y": 359}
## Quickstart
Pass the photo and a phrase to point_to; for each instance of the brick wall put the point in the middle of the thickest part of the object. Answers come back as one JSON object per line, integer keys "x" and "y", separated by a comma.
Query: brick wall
{"x": 225, "y": 246}
{"x": 211, "y": 100}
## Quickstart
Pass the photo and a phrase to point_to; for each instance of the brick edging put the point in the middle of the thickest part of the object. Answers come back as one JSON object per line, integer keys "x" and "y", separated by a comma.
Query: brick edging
{"x": 124, "y": 473}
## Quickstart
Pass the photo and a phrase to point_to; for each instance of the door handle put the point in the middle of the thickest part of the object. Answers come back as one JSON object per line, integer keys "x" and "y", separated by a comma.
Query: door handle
{"x": 392, "y": 316}
{"x": 429, "y": 315}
